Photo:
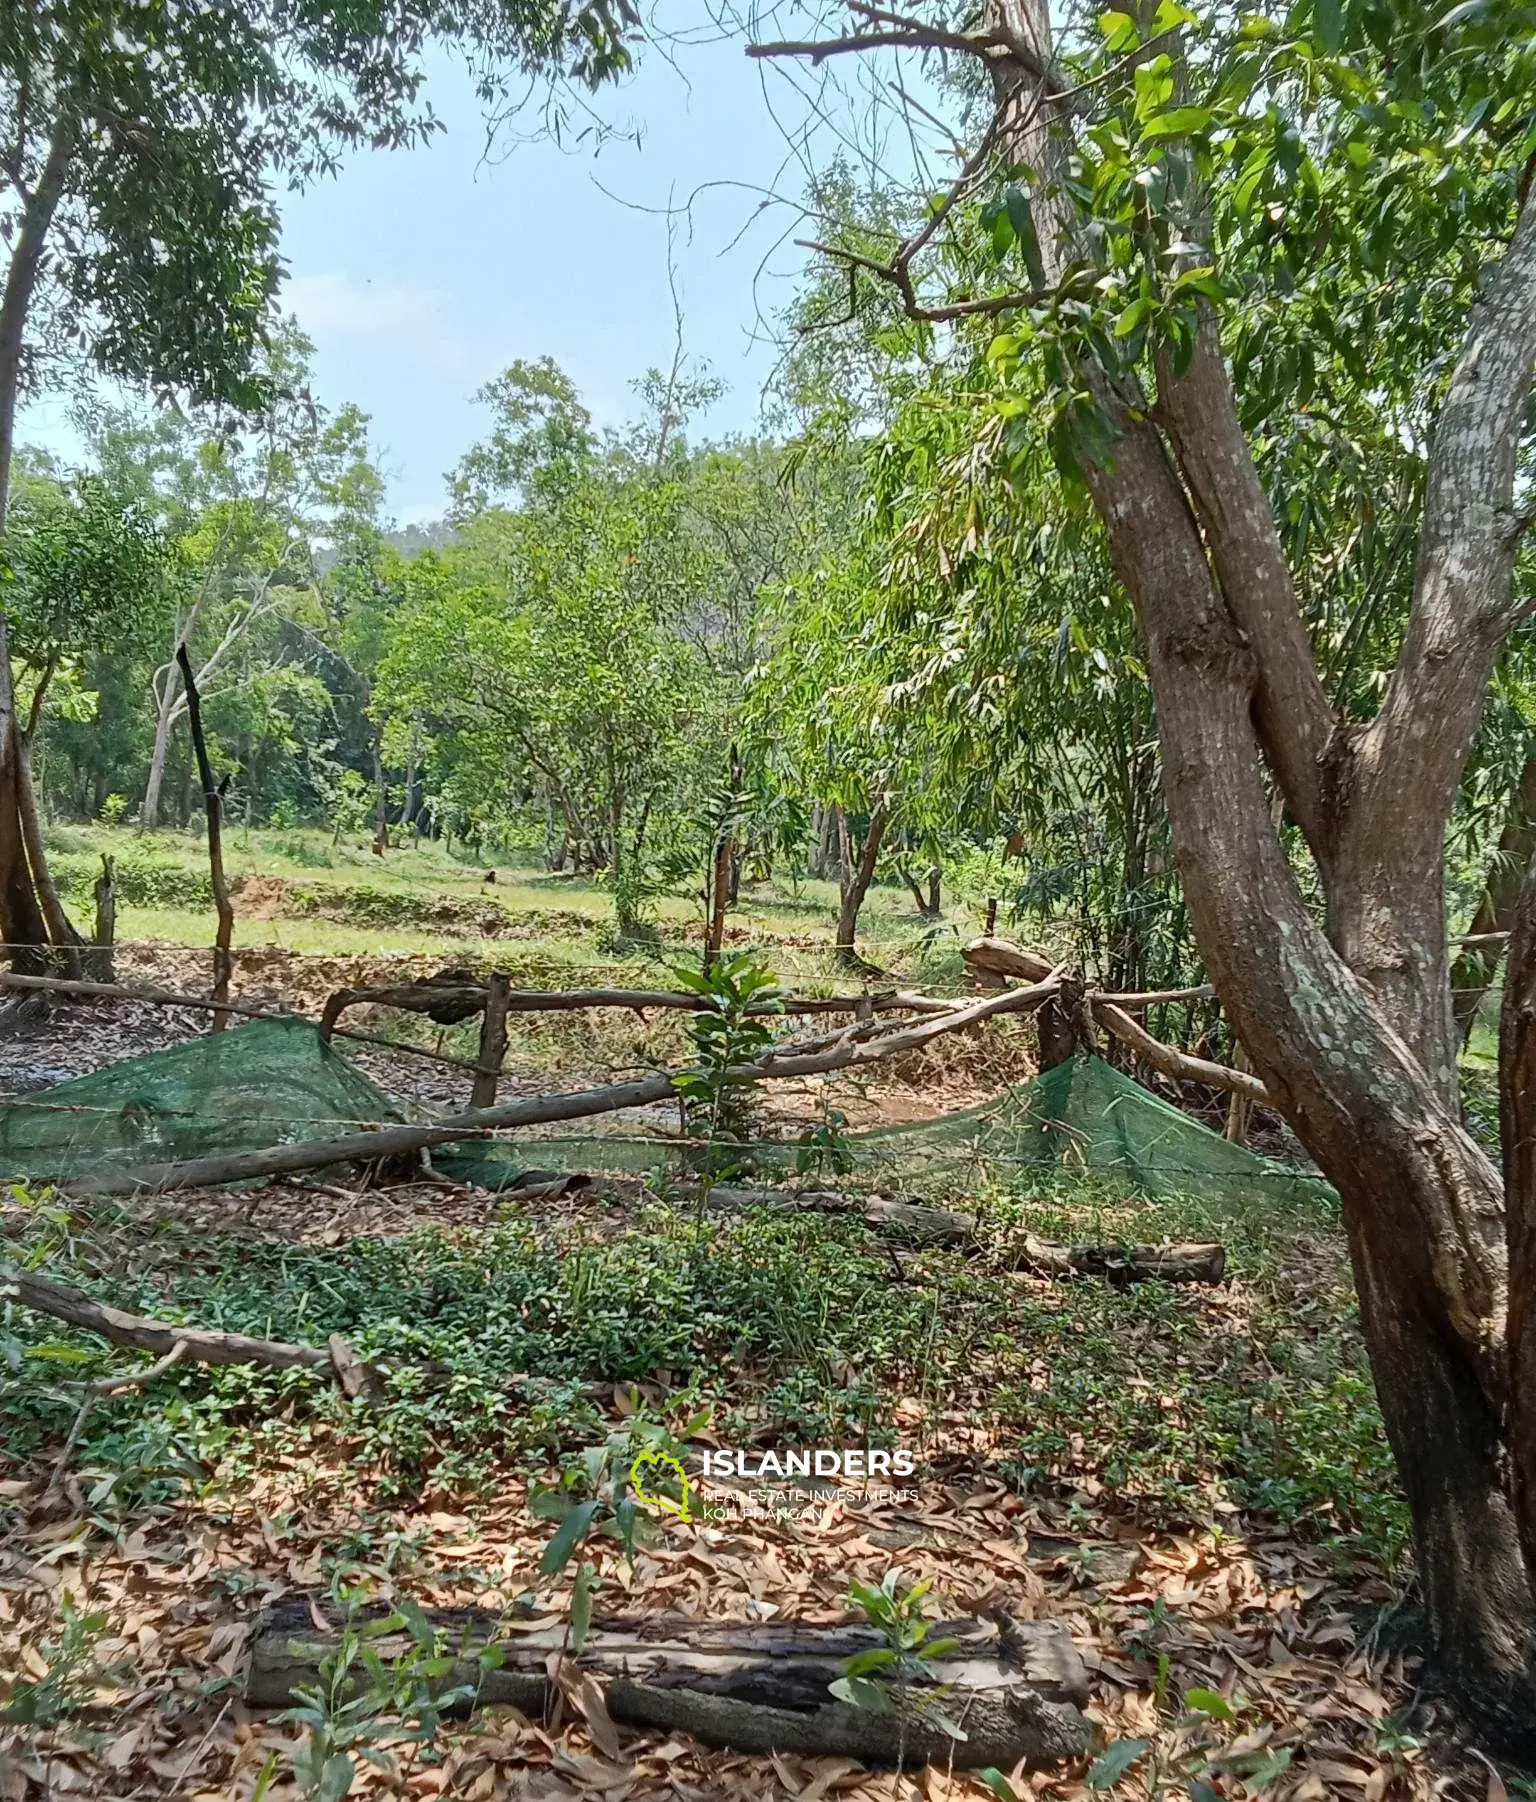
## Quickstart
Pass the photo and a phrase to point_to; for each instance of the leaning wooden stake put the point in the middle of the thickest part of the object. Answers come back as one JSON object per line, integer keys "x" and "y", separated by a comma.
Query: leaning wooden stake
{"x": 753, "y": 1686}
{"x": 213, "y": 801}
{"x": 97, "y": 962}
{"x": 493, "y": 1041}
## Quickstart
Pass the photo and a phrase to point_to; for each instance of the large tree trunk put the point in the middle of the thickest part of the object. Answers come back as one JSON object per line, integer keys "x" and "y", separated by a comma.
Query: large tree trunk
{"x": 1421, "y": 1202}
{"x": 23, "y": 925}
{"x": 1352, "y": 1033}
{"x": 1353, "y": 1037}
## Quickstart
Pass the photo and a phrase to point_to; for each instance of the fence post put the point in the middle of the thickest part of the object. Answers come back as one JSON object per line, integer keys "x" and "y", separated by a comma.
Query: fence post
{"x": 493, "y": 1040}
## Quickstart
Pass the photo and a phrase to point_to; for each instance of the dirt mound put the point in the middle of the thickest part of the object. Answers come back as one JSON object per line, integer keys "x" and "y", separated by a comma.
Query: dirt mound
{"x": 260, "y": 897}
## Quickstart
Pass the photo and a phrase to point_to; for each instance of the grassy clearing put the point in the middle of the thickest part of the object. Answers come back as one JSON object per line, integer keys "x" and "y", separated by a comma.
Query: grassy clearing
{"x": 309, "y": 895}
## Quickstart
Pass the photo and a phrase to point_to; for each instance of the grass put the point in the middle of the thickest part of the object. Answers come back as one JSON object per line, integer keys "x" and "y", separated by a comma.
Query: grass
{"x": 341, "y": 900}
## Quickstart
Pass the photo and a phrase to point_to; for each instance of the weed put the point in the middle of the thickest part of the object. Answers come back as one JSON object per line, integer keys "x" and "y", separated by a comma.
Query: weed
{"x": 824, "y": 1149}
{"x": 727, "y": 1032}
{"x": 365, "y": 1706}
{"x": 882, "y": 1678}
{"x": 73, "y": 1675}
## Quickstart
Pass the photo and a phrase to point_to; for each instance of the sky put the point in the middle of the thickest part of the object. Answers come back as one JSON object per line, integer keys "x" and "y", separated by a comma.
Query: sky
{"x": 419, "y": 274}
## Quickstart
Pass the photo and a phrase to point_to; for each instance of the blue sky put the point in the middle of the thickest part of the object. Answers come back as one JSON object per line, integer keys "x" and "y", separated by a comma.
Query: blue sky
{"x": 419, "y": 274}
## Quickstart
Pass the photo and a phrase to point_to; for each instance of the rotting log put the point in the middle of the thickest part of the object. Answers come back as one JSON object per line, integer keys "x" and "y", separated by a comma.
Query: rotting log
{"x": 924, "y": 1224}
{"x": 388, "y": 1141}
{"x": 203, "y": 1345}
{"x": 1123, "y": 1264}
{"x": 1014, "y": 1686}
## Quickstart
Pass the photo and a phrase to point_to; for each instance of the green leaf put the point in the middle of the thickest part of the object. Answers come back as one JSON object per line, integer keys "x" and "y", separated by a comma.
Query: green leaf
{"x": 1134, "y": 316}
{"x": 1119, "y": 31}
{"x": 861, "y": 1693}
{"x": 416, "y": 1623}
{"x": 998, "y": 1784}
{"x": 1179, "y": 122}
{"x": 1021, "y": 216}
{"x": 572, "y": 1529}
{"x": 1114, "y": 1761}
{"x": 877, "y": 1658}
{"x": 581, "y": 1605}
{"x": 1328, "y": 16}
{"x": 1209, "y": 1701}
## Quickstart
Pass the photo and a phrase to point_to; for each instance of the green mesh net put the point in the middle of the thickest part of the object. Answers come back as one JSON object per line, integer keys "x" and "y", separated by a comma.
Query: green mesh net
{"x": 271, "y": 1082}
{"x": 276, "y": 1082}
{"x": 1083, "y": 1115}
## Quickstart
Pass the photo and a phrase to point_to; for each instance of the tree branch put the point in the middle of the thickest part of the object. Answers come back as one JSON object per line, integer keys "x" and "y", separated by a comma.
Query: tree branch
{"x": 1296, "y": 723}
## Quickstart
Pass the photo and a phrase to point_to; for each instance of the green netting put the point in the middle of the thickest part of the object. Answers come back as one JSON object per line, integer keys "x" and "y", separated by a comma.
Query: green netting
{"x": 1083, "y": 1115}
{"x": 270, "y": 1082}
{"x": 275, "y": 1082}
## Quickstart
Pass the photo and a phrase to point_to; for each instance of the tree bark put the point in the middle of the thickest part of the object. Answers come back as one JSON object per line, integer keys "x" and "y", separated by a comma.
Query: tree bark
{"x": 380, "y": 799}
{"x": 165, "y": 714}
{"x": 23, "y": 924}
{"x": 213, "y": 801}
{"x": 61, "y": 931}
{"x": 857, "y": 876}
{"x": 493, "y": 1041}
{"x": 104, "y": 937}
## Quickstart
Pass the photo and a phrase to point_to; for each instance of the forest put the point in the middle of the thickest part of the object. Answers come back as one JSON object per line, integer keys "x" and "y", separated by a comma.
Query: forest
{"x": 844, "y": 1110}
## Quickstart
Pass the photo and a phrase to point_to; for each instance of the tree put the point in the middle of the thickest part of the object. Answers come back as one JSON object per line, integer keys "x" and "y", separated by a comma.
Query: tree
{"x": 86, "y": 568}
{"x": 139, "y": 147}
{"x": 1237, "y": 221}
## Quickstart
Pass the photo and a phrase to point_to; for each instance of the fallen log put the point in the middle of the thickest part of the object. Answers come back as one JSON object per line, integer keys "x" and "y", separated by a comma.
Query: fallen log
{"x": 1013, "y": 1686}
{"x": 927, "y": 1225}
{"x": 537, "y": 1110}
{"x": 61, "y": 1301}
{"x": 1123, "y": 1264}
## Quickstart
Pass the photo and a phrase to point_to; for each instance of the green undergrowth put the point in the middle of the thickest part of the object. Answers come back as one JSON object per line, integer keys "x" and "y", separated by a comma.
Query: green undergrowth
{"x": 498, "y": 1347}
